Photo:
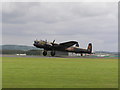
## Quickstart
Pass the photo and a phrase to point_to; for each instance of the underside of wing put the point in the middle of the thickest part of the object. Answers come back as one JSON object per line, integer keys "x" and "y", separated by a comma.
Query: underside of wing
{"x": 68, "y": 44}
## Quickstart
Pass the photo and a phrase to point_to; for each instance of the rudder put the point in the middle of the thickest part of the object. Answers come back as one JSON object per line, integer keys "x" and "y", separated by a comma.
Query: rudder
{"x": 89, "y": 47}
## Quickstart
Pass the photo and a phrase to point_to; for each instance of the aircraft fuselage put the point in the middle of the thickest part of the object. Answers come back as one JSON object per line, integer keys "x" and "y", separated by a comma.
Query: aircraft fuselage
{"x": 65, "y": 47}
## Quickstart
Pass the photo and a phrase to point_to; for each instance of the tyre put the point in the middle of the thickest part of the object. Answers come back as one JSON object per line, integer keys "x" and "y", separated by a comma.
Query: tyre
{"x": 52, "y": 53}
{"x": 81, "y": 54}
{"x": 44, "y": 53}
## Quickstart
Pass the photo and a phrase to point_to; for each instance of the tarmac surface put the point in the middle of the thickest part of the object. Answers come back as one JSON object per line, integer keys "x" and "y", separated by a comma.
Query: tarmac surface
{"x": 55, "y": 56}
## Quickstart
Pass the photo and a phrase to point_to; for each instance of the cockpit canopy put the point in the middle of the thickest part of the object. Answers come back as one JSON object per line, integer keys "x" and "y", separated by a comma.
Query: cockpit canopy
{"x": 36, "y": 42}
{"x": 41, "y": 42}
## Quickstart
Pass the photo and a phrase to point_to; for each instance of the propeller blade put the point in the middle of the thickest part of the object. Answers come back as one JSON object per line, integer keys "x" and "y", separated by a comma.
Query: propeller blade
{"x": 53, "y": 41}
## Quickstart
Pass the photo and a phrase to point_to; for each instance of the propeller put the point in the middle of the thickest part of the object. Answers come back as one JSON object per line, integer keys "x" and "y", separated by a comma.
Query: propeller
{"x": 53, "y": 45}
{"x": 53, "y": 42}
{"x": 46, "y": 41}
{"x": 35, "y": 40}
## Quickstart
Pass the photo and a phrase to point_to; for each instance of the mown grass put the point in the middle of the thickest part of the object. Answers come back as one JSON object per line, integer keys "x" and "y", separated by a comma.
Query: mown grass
{"x": 20, "y": 72}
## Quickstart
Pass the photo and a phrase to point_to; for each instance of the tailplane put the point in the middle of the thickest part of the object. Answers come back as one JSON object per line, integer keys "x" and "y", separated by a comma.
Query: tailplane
{"x": 89, "y": 47}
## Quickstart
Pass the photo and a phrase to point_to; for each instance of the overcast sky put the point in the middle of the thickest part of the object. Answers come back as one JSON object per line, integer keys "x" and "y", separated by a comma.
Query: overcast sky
{"x": 63, "y": 21}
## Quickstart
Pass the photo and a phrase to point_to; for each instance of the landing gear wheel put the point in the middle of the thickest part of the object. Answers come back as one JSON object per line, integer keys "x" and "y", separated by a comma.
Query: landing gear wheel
{"x": 52, "y": 53}
{"x": 45, "y": 53}
{"x": 81, "y": 54}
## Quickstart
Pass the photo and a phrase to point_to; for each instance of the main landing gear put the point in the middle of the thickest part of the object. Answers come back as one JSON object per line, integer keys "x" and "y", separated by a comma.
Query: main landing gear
{"x": 52, "y": 53}
{"x": 81, "y": 54}
{"x": 45, "y": 53}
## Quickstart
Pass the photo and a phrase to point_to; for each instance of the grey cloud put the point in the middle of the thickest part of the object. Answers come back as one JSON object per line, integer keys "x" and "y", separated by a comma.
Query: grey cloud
{"x": 84, "y": 22}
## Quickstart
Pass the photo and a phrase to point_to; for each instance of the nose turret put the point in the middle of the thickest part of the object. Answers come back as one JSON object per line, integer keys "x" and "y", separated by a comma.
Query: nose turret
{"x": 35, "y": 43}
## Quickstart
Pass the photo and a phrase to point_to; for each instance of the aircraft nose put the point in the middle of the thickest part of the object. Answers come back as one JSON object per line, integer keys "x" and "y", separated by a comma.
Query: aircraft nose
{"x": 35, "y": 43}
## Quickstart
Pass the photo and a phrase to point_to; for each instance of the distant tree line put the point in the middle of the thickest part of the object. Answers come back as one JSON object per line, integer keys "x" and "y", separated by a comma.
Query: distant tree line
{"x": 34, "y": 52}
{"x": 29, "y": 52}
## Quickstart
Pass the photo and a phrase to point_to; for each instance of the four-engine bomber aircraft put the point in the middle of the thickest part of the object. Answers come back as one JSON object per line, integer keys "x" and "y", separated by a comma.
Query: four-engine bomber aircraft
{"x": 70, "y": 46}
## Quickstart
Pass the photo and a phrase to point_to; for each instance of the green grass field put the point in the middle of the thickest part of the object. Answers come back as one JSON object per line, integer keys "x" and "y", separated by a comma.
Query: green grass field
{"x": 20, "y": 72}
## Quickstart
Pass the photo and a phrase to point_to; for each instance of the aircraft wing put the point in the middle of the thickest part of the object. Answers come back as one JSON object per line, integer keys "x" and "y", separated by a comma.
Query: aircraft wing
{"x": 68, "y": 44}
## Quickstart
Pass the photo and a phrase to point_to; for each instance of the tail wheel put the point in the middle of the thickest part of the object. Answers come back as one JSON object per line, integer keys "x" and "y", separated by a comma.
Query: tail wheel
{"x": 52, "y": 53}
{"x": 45, "y": 53}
